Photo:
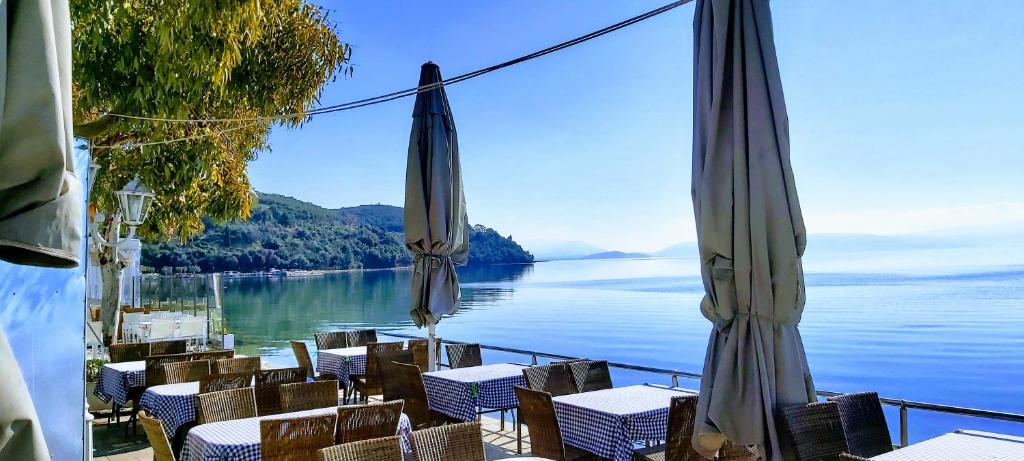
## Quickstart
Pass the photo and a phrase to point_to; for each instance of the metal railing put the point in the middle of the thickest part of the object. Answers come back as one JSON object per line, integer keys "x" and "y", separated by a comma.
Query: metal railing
{"x": 903, "y": 405}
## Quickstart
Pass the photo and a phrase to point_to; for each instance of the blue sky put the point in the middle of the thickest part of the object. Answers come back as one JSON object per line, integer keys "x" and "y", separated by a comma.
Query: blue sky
{"x": 905, "y": 117}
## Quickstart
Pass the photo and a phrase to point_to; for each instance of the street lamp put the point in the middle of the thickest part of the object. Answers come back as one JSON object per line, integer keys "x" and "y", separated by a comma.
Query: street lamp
{"x": 134, "y": 201}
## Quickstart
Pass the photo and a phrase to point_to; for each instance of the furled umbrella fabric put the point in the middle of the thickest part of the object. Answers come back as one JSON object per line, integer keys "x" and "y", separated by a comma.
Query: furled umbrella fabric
{"x": 40, "y": 198}
{"x": 436, "y": 225}
{"x": 750, "y": 231}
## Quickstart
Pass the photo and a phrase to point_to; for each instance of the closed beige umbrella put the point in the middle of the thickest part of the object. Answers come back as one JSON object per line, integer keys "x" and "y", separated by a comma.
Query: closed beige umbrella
{"x": 749, "y": 230}
{"x": 436, "y": 225}
{"x": 40, "y": 198}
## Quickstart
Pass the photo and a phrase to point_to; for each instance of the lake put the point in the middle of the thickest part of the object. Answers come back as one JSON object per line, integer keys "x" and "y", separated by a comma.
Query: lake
{"x": 925, "y": 330}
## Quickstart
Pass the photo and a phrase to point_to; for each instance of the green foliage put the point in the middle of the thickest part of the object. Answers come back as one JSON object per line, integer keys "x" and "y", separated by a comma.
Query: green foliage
{"x": 285, "y": 233}
{"x": 92, "y": 369}
{"x": 194, "y": 59}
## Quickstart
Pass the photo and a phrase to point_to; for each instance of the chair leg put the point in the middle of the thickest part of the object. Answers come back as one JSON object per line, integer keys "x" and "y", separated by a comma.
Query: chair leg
{"x": 501, "y": 427}
{"x": 519, "y": 435}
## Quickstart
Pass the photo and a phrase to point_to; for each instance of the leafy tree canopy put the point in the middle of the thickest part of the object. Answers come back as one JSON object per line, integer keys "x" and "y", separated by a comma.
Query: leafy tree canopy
{"x": 223, "y": 59}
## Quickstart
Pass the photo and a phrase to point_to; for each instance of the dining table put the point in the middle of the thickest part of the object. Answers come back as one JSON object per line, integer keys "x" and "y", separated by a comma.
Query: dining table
{"x": 115, "y": 379}
{"x": 611, "y": 422}
{"x": 462, "y": 393}
{"x": 342, "y": 362}
{"x": 961, "y": 445}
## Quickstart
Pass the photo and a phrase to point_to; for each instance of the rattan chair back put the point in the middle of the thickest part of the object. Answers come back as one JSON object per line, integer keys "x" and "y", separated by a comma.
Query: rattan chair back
{"x": 849, "y": 457}
{"x": 296, "y": 439}
{"x": 381, "y": 449}
{"x": 224, "y": 381}
{"x": 464, "y": 355}
{"x": 385, "y": 367}
{"x": 867, "y": 433}
{"x": 186, "y": 372}
{"x": 372, "y": 370}
{"x": 537, "y": 412}
{"x": 590, "y": 375}
{"x": 250, "y": 365}
{"x": 330, "y": 340}
{"x": 364, "y": 422}
{"x": 816, "y": 431}
{"x": 554, "y": 379}
{"x": 155, "y": 367}
{"x": 302, "y": 357}
{"x": 213, "y": 355}
{"x": 176, "y": 346}
{"x": 131, "y": 352}
{"x": 225, "y": 405}
{"x": 358, "y": 338}
{"x": 681, "y": 414}
{"x": 157, "y": 437}
{"x": 421, "y": 353}
{"x": 408, "y": 385}
{"x": 268, "y": 387}
{"x": 309, "y": 396}
{"x": 451, "y": 442}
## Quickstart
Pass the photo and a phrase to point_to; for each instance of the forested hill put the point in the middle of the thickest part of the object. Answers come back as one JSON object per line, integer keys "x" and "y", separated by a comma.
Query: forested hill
{"x": 286, "y": 233}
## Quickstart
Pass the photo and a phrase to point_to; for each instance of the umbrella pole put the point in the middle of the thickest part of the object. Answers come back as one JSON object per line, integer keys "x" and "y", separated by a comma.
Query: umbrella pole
{"x": 431, "y": 346}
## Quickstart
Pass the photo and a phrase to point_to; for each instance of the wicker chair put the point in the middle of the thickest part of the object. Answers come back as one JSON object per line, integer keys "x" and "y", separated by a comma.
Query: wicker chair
{"x": 385, "y": 366}
{"x": 268, "y": 388}
{"x": 554, "y": 379}
{"x": 381, "y": 449}
{"x": 364, "y": 422}
{"x": 358, "y": 338}
{"x": 331, "y": 340}
{"x": 590, "y": 375}
{"x": 864, "y": 424}
{"x": 214, "y": 355}
{"x": 225, "y": 405}
{"x": 421, "y": 353}
{"x": 296, "y": 438}
{"x": 308, "y": 396}
{"x": 177, "y": 346}
{"x": 408, "y": 386}
{"x": 537, "y": 411}
{"x": 816, "y": 431}
{"x": 186, "y": 372}
{"x": 451, "y": 442}
{"x": 132, "y": 352}
{"x": 849, "y": 457}
{"x": 155, "y": 367}
{"x": 463, "y": 355}
{"x": 250, "y": 365}
{"x": 225, "y": 381}
{"x": 370, "y": 383}
{"x": 681, "y": 414}
{"x": 157, "y": 437}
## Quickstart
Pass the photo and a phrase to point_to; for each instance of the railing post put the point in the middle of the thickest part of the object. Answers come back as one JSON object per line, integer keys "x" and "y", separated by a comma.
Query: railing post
{"x": 675, "y": 378}
{"x": 904, "y": 438}
{"x": 533, "y": 359}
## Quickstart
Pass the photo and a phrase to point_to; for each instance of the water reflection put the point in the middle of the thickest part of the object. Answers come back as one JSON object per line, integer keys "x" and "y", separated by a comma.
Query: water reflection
{"x": 264, "y": 313}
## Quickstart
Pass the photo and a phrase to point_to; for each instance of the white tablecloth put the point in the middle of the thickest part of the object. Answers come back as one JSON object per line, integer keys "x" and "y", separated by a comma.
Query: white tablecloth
{"x": 961, "y": 445}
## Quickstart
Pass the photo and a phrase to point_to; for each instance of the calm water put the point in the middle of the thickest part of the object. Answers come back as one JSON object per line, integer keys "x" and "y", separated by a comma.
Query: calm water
{"x": 926, "y": 330}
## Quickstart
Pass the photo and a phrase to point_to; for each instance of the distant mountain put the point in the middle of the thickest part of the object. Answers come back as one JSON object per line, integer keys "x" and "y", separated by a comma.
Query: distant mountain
{"x": 564, "y": 250}
{"x": 679, "y": 250}
{"x": 286, "y": 233}
{"x": 615, "y": 255}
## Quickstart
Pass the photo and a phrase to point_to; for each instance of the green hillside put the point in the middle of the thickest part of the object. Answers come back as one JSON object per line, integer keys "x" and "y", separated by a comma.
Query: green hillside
{"x": 286, "y": 233}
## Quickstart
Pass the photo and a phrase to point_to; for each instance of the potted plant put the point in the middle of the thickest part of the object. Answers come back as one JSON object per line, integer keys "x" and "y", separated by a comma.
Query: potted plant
{"x": 92, "y": 374}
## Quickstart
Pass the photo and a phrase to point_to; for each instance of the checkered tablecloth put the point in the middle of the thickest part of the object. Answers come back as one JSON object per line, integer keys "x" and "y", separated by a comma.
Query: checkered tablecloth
{"x": 172, "y": 404}
{"x": 462, "y": 392}
{"x": 961, "y": 445}
{"x": 116, "y": 378}
{"x": 239, "y": 440}
{"x": 608, "y": 422}
{"x": 342, "y": 362}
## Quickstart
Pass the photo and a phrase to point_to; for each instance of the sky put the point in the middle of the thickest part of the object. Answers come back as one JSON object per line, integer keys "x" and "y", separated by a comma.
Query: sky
{"x": 905, "y": 117}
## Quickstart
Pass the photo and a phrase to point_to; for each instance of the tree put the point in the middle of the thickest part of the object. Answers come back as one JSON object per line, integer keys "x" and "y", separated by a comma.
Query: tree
{"x": 194, "y": 60}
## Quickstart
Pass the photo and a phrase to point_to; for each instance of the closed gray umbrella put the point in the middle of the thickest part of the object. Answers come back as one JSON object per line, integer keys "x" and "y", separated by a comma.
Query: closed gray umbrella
{"x": 436, "y": 225}
{"x": 749, "y": 230}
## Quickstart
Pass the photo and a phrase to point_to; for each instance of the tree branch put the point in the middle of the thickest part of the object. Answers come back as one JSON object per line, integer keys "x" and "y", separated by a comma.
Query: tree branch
{"x": 95, "y": 127}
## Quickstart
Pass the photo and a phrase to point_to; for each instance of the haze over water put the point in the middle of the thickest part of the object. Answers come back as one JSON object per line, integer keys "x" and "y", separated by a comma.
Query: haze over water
{"x": 939, "y": 325}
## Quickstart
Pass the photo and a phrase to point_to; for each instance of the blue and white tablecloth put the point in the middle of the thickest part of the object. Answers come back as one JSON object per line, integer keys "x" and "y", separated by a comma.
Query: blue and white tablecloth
{"x": 342, "y": 362}
{"x": 116, "y": 378}
{"x": 608, "y": 422}
{"x": 462, "y": 392}
{"x": 239, "y": 440}
{"x": 173, "y": 404}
